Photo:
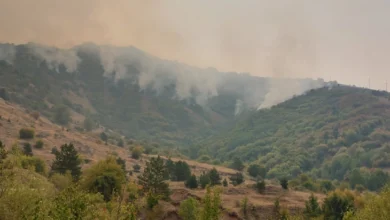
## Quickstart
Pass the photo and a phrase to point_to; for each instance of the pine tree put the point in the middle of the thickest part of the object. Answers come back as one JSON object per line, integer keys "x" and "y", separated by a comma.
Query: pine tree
{"x": 312, "y": 208}
{"x": 225, "y": 183}
{"x": 204, "y": 180}
{"x": 182, "y": 171}
{"x": 192, "y": 182}
{"x": 284, "y": 183}
{"x": 67, "y": 159}
{"x": 214, "y": 177}
{"x": 260, "y": 186}
{"x": 237, "y": 179}
{"x": 152, "y": 179}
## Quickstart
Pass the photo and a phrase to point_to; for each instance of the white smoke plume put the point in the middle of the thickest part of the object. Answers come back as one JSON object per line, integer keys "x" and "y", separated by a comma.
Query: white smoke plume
{"x": 55, "y": 57}
{"x": 7, "y": 53}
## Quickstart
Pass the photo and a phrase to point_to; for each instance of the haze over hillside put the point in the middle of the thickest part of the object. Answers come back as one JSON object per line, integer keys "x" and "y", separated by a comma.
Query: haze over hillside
{"x": 344, "y": 41}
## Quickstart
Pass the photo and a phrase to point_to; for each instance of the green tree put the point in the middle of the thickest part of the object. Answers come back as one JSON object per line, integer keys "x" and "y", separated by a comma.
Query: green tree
{"x": 256, "y": 170}
{"x": 225, "y": 183}
{"x": 336, "y": 204}
{"x": 192, "y": 182}
{"x": 260, "y": 186}
{"x": 136, "y": 168}
{"x": 237, "y": 179}
{"x": 356, "y": 178}
{"x": 104, "y": 137}
{"x": 88, "y": 124}
{"x": 120, "y": 143}
{"x": 73, "y": 203}
{"x": 136, "y": 152}
{"x": 284, "y": 183}
{"x": 67, "y": 159}
{"x": 39, "y": 144}
{"x": 214, "y": 177}
{"x": 189, "y": 209}
{"x": 3, "y": 152}
{"x": 326, "y": 186}
{"x": 105, "y": 177}
{"x": 377, "y": 207}
{"x": 27, "y": 149}
{"x": 204, "y": 180}
{"x": 237, "y": 164}
{"x": 62, "y": 115}
{"x": 152, "y": 179}
{"x": 122, "y": 163}
{"x": 211, "y": 204}
{"x": 182, "y": 171}
{"x": 312, "y": 208}
{"x": 26, "y": 133}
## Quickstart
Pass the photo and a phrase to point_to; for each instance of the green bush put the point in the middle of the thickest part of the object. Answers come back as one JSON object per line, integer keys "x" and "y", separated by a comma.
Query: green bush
{"x": 237, "y": 179}
{"x": 284, "y": 183}
{"x": 260, "y": 186}
{"x": 39, "y": 144}
{"x": 136, "y": 168}
{"x": 26, "y": 133}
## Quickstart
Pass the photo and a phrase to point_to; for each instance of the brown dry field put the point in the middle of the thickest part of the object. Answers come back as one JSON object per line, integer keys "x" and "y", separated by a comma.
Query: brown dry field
{"x": 90, "y": 146}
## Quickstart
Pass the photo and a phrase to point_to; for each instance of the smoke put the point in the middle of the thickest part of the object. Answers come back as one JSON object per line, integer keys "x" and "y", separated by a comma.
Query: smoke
{"x": 239, "y": 108}
{"x": 55, "y": 57}
{"x": 7, "y": 53}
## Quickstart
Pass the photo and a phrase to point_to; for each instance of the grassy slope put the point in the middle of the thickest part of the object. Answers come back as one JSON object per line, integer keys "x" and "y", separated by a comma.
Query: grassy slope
{"x": 326, "y": 131}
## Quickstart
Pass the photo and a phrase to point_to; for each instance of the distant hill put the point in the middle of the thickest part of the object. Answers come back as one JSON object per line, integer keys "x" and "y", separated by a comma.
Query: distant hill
{"x": 327, "y": 132}
{"x": 129, "y": 91}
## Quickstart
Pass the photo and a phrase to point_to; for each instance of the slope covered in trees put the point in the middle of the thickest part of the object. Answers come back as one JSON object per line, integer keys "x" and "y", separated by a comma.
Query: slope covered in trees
{"x": 130, "y": 91}
{"x": 327, "y": 132}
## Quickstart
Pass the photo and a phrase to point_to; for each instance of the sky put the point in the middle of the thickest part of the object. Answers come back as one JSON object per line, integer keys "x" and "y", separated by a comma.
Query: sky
{"x": 343, "y": 40}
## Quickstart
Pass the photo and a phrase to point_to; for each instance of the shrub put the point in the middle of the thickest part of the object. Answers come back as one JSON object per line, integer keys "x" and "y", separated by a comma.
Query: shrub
{"x": 192, "y": 182}
{"x": 120, "y": 143}
{"x": 256, "y": 170}
{"x": 26, "y": 133}
{"x": 88, "y": 124}
{"x": 336, "y": 204}
{"x": 237, "y": 179}
{"x": 312, "y": 208}
{"x": 39, "y": 144}
{"x": 27, "y": 149}
{"x": 204, "y": 180}
{"x": 136, "y": 152}
{"x": 189, "y": 209}
{"x": 284, "y": 183}
{"x": 105, "y": 177}
{"x": 260, "y": 186}
{"x": 136, "y": 168}
{"x": 54, "y": 150}
{"x": 225, "y": 183}
{"x": 62, "y": 115}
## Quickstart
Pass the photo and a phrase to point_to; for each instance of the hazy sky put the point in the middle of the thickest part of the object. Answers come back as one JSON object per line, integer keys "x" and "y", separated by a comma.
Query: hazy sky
{"x": 344, "y": 40}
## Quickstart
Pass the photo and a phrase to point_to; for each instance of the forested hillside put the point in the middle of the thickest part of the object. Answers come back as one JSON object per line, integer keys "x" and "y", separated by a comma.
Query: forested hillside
{"x": 327, "y": 132}
{"x": 130, "y": 91}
